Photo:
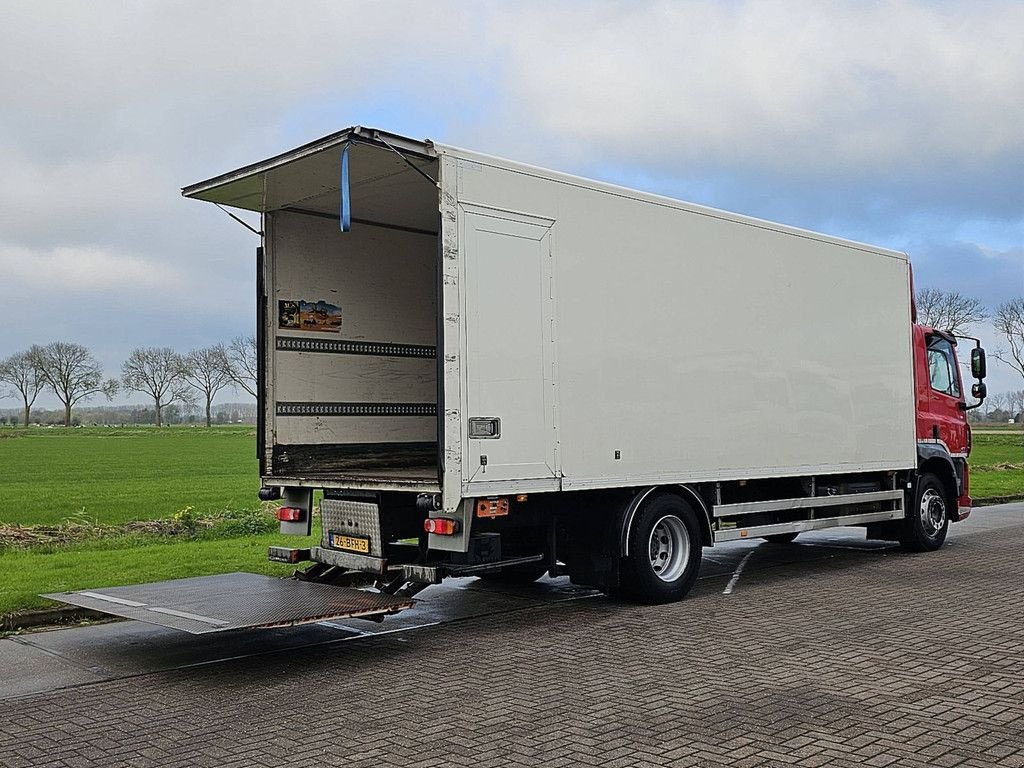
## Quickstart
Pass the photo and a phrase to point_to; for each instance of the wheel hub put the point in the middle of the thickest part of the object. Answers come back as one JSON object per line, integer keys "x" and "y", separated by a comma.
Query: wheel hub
{"x": 669, "y": 548}
{"x": 932, "y": 511}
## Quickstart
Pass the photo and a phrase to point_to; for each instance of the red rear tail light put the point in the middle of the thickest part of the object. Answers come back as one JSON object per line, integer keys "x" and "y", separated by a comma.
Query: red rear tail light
{"x": 290, "y": 514}
{"x": 442, "y": 526}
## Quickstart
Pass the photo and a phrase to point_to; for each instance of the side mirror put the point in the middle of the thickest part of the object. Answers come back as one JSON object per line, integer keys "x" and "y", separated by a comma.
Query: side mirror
{"x": 978, "y": 363}
{"x": 979, "y": 390}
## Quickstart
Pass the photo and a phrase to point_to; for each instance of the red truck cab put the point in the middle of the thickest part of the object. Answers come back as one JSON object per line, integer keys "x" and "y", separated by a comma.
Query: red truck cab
{"x": 943, "y": 434}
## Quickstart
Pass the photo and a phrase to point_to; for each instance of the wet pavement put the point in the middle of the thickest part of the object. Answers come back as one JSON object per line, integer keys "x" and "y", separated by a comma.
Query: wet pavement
{"x": 834, "y": 650}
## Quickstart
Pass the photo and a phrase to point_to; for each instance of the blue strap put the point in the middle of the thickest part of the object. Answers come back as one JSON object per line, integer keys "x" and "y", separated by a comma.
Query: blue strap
{"x": 346, "y": 203}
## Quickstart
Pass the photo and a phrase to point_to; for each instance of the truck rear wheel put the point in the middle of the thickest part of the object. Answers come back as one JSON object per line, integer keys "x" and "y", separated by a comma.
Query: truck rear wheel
{"x": 927, "y": 521}
{"x": 664, "y": 551}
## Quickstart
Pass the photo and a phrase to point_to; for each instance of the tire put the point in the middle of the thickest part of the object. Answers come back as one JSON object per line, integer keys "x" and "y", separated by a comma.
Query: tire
{"x": 782, "y": 538}
{"x": 516, "y": 574}
{"x": 927, "y": 520}
{"x": 665, "y": 545}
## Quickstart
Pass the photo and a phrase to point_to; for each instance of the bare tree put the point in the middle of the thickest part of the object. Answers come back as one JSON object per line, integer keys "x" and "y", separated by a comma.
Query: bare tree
{"x": 205, "y": 372}
{"x": 1015, "y": 401}
{"x": 994, "y": 403}
{"x": 73, "y": 373}
{"x": 1009, "y": 321}
{"x": 948, "y": 310}
{"x": 160, "y": 373}
{"x": 21, "y": 372}
{"x": 238, "y": 360}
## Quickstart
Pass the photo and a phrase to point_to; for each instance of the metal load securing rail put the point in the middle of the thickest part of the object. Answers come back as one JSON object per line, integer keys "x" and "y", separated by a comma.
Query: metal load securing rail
{"x": 234, "y": 601}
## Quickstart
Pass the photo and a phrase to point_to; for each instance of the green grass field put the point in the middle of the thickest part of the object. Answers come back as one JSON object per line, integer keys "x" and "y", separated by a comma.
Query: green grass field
{"x": 111, "y": 476}
{"x": 997, "y": 463}
{"x": 115, "y": 475}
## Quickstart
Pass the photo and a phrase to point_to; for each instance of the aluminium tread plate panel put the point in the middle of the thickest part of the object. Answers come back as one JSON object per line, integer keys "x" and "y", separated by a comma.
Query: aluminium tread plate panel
{"x": 233, "y": 601}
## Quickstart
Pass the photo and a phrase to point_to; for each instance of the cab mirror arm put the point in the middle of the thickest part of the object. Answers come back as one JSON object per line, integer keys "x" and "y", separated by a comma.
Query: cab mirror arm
{"x": 978, "y": 371}
{"x": 978, "y": 392}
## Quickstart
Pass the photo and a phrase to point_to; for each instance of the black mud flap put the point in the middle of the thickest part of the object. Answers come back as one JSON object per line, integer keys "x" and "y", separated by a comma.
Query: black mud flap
{"x": 234, "y": 601}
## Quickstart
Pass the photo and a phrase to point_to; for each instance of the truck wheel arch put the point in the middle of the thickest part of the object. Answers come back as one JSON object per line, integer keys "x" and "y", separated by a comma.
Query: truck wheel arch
{"x": 685, "y": 492}
{"x": 935, "y": 459}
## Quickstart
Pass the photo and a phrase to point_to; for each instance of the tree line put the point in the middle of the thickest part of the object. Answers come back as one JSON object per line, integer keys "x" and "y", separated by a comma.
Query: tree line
{"x": 950, "y": 310}
{"x": 72, "y": 373}
{"x": 1000, "y": 407}
{"x": 101, "y": 413}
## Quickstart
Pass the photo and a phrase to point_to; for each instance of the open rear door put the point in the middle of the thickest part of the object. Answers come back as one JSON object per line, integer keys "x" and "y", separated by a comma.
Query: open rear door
{"x": 234, "y": 601}
{"x": 348, "y": 299}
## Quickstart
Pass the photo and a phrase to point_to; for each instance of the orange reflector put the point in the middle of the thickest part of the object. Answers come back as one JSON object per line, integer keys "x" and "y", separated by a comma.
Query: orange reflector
{"x": 442, "y": 526}
{"x": 496, "y": 507}
{"x": 290, "y": 514}
{"x": 743, "y": 534}
{"x": 522, "y": 497}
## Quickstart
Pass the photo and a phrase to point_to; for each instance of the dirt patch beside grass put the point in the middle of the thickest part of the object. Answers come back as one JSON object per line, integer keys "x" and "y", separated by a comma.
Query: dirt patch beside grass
{"x": 184, "y": 524}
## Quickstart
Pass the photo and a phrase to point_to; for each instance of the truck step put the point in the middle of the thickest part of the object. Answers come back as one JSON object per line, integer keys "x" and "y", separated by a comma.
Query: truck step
{"x": 234, "y": 601}
{"x": 800, "y": 526}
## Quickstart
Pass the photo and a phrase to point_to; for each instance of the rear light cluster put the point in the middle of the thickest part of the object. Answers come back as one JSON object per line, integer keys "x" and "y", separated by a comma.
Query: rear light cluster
{"x": 442, "y": 526}
{"x": 287, "y": 555}
{"x": 290, "y": 514}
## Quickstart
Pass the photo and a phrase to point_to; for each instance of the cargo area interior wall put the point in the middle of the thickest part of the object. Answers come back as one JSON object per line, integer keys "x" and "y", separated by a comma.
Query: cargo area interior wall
{"x": 353, "y": 329}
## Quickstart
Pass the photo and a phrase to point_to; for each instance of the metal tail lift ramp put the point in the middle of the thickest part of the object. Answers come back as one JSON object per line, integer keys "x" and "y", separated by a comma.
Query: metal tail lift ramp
{"x": 234, "y": 601}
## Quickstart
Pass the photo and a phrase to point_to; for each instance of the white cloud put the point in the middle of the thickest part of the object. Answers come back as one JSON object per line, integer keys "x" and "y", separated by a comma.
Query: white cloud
{"x": 891, "y": 87}
{"x": 166, "y": 67}
{"x": 45, "y": 196}
{"x": 81, "y": 270}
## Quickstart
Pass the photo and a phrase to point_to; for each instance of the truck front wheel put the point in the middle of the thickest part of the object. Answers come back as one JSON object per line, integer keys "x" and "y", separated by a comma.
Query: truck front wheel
{"x": 927, "y": 520}
{"x": 664, "y": 552}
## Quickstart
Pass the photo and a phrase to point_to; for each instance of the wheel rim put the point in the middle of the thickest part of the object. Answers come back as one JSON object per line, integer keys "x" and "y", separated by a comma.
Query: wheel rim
{"x": 932, "y": 511}
{"x": 669, "y": 548}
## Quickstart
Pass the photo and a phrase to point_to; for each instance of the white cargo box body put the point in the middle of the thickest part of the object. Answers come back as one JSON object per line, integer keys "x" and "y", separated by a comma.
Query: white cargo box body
{"x": 619, "y": 338}
{"x": 694, "y": 345}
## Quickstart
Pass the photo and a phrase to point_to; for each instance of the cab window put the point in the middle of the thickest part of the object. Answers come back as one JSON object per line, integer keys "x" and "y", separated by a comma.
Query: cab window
{"x": 942, "y": 366}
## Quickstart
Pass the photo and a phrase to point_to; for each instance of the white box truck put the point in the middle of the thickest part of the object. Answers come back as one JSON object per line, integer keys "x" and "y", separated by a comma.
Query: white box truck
{"x": 491, "y": 368}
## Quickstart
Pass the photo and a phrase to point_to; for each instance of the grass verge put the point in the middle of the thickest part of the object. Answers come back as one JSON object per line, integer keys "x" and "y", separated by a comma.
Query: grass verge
{"x": 997, "y": 464}
{"x": 134, "y": 559}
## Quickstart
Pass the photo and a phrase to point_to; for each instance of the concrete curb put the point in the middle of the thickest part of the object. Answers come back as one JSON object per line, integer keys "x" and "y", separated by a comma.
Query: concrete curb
{"x": 48, "y": 617}
{"x": 992, "y": 500}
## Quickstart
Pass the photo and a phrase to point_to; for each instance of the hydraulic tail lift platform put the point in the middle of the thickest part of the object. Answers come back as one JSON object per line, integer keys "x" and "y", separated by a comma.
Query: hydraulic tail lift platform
{"x": 235, "y": 601}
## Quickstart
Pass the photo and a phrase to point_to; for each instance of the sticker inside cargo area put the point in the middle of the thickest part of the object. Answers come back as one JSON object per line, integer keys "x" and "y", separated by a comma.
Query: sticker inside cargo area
{"x": 302, "y": 315}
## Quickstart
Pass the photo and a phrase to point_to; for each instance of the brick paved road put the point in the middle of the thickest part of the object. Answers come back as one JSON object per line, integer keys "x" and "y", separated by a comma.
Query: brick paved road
{"x": 869, "y": 657}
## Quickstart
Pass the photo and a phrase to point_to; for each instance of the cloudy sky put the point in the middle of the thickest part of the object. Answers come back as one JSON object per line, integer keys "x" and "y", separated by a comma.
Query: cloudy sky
{"x": 896, "y": 123}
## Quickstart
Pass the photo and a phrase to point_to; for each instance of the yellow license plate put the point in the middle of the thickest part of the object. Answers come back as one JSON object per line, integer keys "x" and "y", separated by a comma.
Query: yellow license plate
{"x": 350, "y": 543}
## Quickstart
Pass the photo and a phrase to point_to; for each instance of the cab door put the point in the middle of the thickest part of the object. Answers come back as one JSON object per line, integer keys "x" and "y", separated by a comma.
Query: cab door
{"x": 948, "y": 421}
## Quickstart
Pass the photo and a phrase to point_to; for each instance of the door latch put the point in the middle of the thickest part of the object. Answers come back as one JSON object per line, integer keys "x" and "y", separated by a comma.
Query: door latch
{"x": 485, "y": 427}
